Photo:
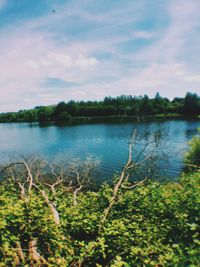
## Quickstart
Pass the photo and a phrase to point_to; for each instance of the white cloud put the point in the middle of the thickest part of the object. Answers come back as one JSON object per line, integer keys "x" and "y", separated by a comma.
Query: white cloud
{"x": 62, "y": 60}
{"x": 143, "y": 34}
{"x": 27, "y": 60}
{"x": 193, "y": 78}
{"x": 84, "y": 62}
{"x": 32, "y": 53}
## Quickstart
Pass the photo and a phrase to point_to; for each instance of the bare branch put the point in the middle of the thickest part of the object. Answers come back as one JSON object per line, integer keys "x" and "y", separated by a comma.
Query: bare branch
{"x": 142, "y": 161}
{"x": 51, "y": 206}
{"x": 122, "y": 177}
{"x": 20, "y": 252}
{"x": 76, "y": 191}
{"x": 34, "y": 255}
{"x": 143, "y": 150}
{"x": 137, "y": 183}
{"x": 22, "y": 191}
{"x": 125, "y": 174}
{"x": 30, "y": 176}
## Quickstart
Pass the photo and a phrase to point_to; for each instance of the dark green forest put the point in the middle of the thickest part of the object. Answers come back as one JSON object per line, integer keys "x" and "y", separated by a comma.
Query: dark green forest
{"x": 122, "y": 106}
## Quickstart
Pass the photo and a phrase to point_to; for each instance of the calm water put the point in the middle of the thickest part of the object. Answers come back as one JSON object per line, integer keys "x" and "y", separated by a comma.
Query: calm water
{"x": 107, "y": 144}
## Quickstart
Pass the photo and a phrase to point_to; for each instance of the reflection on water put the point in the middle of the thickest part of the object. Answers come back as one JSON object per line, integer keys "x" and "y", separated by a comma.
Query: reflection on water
{"x": 105, "y": 143}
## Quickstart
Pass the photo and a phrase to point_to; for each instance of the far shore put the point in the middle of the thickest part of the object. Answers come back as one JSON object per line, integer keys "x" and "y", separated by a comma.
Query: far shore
{"x": 113, "y": 119}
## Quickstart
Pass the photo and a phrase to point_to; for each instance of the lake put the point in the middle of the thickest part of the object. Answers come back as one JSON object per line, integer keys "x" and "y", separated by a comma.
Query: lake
{"x": 105, "y": 143}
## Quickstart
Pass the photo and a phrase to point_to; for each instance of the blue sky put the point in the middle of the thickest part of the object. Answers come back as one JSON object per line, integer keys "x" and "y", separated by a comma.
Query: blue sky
{"x": 53, "y": 50}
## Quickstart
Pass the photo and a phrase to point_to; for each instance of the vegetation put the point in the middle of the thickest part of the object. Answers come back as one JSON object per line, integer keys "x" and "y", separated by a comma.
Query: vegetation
{"x": 121, "y": 106}
{"x": 50, "y": 218}
{"x": 192, "y": 157}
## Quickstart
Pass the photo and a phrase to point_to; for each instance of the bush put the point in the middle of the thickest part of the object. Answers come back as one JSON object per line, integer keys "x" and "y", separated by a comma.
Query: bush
{"x": 152, "y": 225}
{"x": 192, "y": 157}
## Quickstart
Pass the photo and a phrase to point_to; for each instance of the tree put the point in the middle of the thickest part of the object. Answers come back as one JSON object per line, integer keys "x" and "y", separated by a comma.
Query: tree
{"x": 159, "y": 104}
{"x": 146, "y": 106}
{"x": 63, "y": 117}
{"x": 59, "y": 109}
{"x": 44, "y": 114}
{"x": 191, "y": 104}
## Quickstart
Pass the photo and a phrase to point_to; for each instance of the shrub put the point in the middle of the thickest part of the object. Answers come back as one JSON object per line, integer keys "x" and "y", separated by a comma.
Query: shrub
{"x": 152, "y": 225}
{"x": 192, "y": 156}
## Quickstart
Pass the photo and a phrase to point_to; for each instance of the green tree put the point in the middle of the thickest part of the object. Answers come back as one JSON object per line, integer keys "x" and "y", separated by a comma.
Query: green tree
{"x": 45, "y": 114}
{"x": 191, "y": 104}
{"x": 192, "y": 156}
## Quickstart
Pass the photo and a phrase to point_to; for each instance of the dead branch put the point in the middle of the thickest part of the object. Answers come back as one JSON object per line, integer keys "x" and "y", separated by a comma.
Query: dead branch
{"x": 142, "y": 161}
{"x": 123, "y": 177}
{"x": 52, "y": 186}
{"x": 76, "y": 191}
{"x": 193, "y": 165}
{"x": 80, "y": 186}
{"x": 34, "y": 255}
{"x": 22, "y": 191}
{"x": 136, "y": 183}
{"x": 143, "y": 150}
{"x": 51, "y": 206}
{"x": 20, "y": 252}
{"x": 30, "y": 176}
{"x": 80, "y": 181}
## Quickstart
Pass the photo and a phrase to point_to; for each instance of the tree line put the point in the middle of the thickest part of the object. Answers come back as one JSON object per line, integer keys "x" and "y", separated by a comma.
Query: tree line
{"x": 122, "y": 106}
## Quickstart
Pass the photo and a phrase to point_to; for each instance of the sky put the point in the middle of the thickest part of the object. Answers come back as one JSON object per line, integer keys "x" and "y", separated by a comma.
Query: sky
{"x": 58, "y": 50}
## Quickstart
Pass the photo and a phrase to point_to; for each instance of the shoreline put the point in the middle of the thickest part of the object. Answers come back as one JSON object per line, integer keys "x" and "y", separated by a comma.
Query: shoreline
{"x": 111, "y": 119}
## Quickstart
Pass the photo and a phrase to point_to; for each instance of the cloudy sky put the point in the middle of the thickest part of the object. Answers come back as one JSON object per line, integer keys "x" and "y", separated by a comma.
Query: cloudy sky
{"x": 53, "y": 50}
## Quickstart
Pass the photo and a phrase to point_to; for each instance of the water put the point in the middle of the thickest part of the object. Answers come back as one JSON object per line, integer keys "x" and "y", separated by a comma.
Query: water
{"x": 106, "y": 144}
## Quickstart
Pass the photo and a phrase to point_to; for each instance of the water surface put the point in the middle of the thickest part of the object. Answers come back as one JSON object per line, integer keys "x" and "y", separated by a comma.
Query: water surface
{"x": 105, "y": 143}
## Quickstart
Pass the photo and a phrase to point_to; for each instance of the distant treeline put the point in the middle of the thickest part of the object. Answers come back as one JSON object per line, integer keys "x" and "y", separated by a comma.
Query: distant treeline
{"x": 110, "y": 106}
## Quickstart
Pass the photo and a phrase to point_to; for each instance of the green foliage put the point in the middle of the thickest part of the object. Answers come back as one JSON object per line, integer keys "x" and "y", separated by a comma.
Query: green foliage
{"x": 191, "y": 104}
{"x": 44, "y": 114}
{"x": 152, "y": 225}
{"x": 192, "y": 156}
{"x": 110, "y": 106}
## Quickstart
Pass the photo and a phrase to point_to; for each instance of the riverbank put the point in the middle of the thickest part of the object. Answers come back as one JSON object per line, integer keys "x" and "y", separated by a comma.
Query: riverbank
{"x": 113, "y": 119}
{"x": 152, "y": 224}
{"x": 119, "y": 119}
{"x": 109, "y": 119}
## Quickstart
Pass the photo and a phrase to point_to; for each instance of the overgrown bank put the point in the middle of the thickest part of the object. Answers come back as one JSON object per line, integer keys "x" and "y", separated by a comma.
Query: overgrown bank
{"x": 152, "y": 225}
{"x": 54, "y": 223}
